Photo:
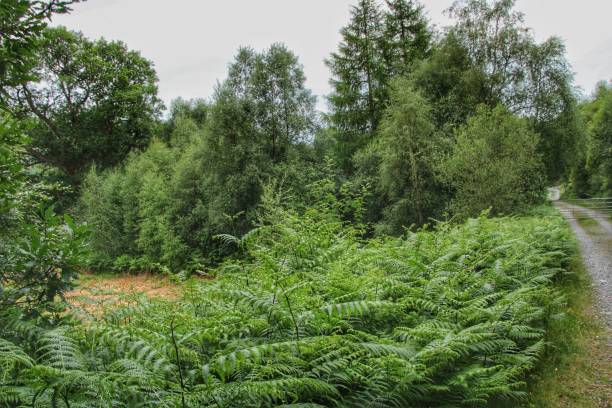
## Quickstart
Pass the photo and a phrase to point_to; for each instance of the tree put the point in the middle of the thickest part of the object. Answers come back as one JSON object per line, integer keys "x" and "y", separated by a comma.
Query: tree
{"x": 39, "y": 251}
{"x": 407, "y": 37}
{"x": 592, "y": 171}
{"x": 409, "y": 147}
{"x": 22, "y": 23}
{"x": 599, "y": 158}
{"x": 530, "y": 79}
{"x": 194, "y": 111}
{"x": 165, "y": 205}
{"x": 284, "y": 108}
{"x": 377, "y": 45}
{"x": 357, "y": 99}
{"x": 494, "y": 164}
{"x": 452, "y": 84}
{"x": 93, "y": 102}
{"x": 258, "y": 115}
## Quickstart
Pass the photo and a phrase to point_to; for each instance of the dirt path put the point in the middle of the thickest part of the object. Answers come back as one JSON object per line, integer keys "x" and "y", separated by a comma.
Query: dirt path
{"x": 594, "y": 232}
{"x": 585, "y": 381}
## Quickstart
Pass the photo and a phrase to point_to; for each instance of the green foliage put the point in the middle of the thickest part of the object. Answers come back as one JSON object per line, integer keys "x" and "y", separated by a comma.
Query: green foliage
{"x": 530, "y": 79}
{"x": 405, "y": 154}
{"x": 451, "y": 83}
{"x": 494, "y": 164}
{"x": 181, "y": 112}
{"x": 592, "y": 172}
{"x": 92, "y": 101}
{"x": 39, "y": 251}
{"x": 21, "y": 24}
{"x": 306, "y": 313}
{"x": 128, "y": 210}
{"x": 42, "y": 261}
{"x": 376, "y": 46}
{"x": 407, "y": 37}
{"x": 314, "y": 317}
{"x": 166, "y": 205}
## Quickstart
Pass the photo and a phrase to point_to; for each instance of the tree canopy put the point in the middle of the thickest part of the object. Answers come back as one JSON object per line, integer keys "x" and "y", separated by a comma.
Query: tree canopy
{"x": 376, "y": 46}
{"x": 494, "y": 164}
{"x": 90, "y": 101}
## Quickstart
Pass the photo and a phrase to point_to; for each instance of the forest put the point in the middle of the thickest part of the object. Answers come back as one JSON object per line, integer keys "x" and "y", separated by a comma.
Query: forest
{"x": 395, "y": 250}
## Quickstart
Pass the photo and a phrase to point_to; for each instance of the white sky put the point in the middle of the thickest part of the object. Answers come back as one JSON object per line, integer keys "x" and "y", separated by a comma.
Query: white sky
{"x": 191, "y": 42}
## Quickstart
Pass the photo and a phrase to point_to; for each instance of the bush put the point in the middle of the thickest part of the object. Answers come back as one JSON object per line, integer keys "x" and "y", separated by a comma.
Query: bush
{"x": 592, "y": 172}
{"x": 494, "y": 164}
{"x": 39, "y": 251}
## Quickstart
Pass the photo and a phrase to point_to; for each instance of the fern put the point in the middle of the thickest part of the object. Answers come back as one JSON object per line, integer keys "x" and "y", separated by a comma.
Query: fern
{"x": 312, "y": 317}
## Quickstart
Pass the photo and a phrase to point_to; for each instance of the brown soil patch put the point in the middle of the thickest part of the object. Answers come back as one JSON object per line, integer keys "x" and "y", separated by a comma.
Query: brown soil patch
{"x": 95, "y": 294}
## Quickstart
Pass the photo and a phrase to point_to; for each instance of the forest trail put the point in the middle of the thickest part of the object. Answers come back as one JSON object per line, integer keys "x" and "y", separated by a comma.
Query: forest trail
{"x": 594, "y": 233}
{"x": 586, "y": 378}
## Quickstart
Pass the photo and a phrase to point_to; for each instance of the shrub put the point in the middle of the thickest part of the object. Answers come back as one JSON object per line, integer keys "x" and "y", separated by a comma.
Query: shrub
{"x": 494, "y": 164}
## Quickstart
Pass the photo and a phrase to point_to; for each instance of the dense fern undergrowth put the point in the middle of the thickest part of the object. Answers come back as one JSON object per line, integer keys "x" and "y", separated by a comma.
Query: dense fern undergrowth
{"x": 311, "y": 315}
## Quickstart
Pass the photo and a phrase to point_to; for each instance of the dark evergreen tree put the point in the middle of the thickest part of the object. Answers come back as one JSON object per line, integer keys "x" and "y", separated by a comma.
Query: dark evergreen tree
{"x": 358, "y": 79}
{"x": 407, "y": 37}
{"x": 377, "y": 46}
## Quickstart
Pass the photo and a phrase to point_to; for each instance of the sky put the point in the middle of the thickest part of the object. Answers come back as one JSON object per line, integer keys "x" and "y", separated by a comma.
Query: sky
{"x": 191, "y": 42}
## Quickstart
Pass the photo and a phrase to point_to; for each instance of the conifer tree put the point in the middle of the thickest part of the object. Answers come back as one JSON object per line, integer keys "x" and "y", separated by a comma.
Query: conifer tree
{"x": 359, "y": 76}
{"x": 407, "y": 36}
{"x": 377, "y": 46}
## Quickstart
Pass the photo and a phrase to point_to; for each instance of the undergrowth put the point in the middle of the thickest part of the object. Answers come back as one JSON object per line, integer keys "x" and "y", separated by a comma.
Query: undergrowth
{"x": 313, "y": 316}
{"x": 575, "y": 360}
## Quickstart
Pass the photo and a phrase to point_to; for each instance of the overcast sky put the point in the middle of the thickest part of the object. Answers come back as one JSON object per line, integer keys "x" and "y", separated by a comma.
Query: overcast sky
{"x": 191, "y": 42}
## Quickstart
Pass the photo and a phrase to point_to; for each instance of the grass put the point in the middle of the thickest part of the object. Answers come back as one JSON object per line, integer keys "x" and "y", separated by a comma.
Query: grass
{"x": 576, "y": 371}
{"x": 587, "y": 222}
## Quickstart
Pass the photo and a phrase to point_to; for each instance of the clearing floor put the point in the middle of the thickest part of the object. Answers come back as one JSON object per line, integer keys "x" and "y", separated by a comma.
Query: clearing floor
{"x": 96, "y": 293}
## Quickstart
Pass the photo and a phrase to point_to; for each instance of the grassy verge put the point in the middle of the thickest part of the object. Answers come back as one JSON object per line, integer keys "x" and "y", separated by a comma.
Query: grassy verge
{"x": 576, "y": 370}
{"x": 587, "y": 223}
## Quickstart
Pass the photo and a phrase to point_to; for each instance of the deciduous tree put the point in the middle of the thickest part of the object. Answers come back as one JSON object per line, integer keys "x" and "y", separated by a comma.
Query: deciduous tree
{"x": 494, "y": 164}
{"x": 92, "y": 101}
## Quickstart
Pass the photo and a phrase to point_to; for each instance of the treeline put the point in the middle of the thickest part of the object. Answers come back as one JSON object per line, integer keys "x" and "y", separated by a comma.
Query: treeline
{"x": 422, "y": 124}
{"x": 204, "y": 176}
{"x": 591, "y": 174}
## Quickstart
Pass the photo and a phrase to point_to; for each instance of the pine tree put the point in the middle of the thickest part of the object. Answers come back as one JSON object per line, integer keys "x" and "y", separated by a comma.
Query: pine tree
{"x": 407, "y": 36}
{"x": 359, "y": 76}
{"x": 377, "y": 46}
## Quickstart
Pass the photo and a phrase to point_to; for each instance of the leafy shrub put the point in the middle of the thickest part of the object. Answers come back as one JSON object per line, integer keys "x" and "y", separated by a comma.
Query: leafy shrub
{"x": 592, "y": 172}
{"x": 39, "y": 250}
{"x": 494, "y": 164}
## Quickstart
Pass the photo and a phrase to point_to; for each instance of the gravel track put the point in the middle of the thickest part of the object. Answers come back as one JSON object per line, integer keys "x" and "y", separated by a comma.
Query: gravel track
{"x": 596, "y": 249}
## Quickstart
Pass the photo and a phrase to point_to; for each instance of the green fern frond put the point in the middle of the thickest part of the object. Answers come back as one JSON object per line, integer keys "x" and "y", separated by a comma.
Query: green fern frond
{"x": 60, "y": 351}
